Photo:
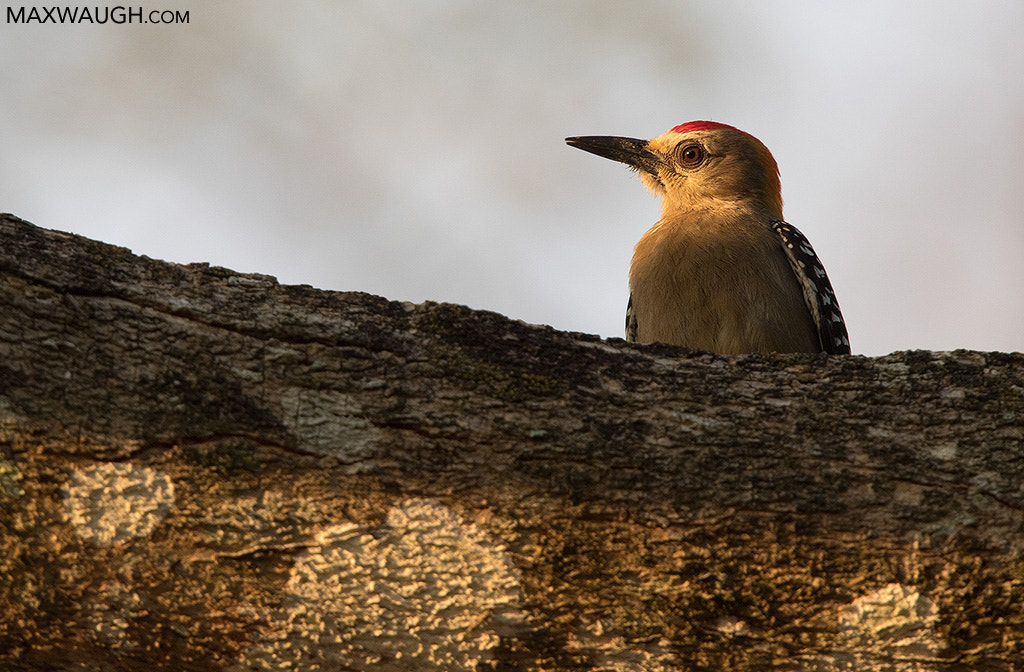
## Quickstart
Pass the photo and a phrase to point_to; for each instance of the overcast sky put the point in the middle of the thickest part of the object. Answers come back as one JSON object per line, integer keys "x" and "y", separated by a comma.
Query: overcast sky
{"x": 414, "y": 149}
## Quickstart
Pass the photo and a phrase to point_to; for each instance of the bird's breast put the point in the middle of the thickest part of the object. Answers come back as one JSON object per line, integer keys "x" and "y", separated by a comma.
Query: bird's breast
{"x": 718, "y": 283}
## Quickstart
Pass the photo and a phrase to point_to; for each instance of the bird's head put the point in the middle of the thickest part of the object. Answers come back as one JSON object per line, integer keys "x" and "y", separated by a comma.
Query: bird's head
{"x": 697, "y": 165}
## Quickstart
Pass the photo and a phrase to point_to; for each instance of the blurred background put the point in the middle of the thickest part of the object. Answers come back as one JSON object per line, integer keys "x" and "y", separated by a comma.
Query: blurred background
{"x": 414, "y": 148}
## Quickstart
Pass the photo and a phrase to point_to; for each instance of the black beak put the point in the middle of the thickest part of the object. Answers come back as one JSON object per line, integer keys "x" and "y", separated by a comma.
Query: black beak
{"x": 631, "y": 151}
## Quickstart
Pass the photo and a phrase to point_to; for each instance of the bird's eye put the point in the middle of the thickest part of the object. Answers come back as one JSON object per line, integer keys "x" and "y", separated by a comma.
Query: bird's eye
{"x": 690, "y": 155}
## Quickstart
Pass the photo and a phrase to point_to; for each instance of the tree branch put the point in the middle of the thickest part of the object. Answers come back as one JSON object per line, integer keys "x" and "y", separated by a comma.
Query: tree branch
{"x": 202, "y": 470}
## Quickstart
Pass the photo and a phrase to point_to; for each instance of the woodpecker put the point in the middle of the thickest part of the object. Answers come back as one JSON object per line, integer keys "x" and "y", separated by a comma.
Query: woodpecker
{"x": 721, "y": 270}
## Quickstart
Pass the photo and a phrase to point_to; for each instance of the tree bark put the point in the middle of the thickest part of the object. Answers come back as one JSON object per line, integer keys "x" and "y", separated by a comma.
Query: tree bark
{"x": 205, "y": 470}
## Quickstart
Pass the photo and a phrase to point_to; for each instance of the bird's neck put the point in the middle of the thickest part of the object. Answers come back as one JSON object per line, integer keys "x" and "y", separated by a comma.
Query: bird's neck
{"x": 714, "y": 212}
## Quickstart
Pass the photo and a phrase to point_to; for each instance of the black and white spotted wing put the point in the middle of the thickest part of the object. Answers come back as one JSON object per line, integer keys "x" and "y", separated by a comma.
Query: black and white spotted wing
{"x": 630, "y": 321}
{"x": 818, "y": 293}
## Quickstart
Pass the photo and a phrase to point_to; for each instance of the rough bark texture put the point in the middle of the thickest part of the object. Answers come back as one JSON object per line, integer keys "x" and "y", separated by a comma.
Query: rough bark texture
{"x": 202, "y": 470}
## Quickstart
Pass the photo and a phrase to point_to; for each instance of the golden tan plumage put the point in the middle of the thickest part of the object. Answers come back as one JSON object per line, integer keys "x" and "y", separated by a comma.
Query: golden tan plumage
{"x": 720, "y": 270}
